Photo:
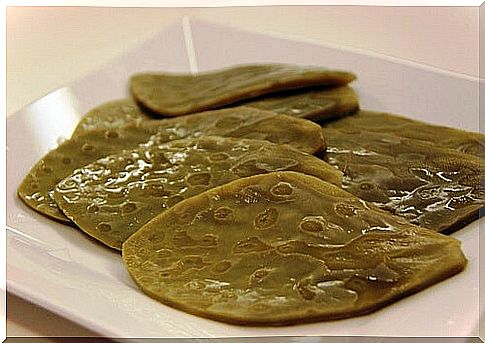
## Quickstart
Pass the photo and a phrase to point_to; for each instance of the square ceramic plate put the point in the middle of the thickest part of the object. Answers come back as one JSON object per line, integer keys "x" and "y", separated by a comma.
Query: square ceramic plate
{"x": 59, "y": 268}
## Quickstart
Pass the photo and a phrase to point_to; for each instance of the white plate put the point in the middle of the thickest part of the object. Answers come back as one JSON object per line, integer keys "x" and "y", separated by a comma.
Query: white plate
{"x": 59, "y": 268}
